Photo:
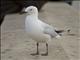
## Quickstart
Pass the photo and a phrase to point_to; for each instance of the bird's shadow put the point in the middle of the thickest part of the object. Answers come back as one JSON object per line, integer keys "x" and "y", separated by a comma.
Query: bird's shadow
{"x": 71, "y": 34}
{"x": 36, "y": 57}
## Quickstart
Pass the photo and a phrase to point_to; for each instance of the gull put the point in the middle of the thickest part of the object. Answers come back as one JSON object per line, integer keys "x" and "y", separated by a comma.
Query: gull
{"x": 38, "y": 30}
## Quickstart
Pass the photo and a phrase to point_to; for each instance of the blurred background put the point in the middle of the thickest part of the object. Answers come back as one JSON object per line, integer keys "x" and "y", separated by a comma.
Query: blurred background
{"x": 10, "y": 6}
{"x": 15, "y": 6}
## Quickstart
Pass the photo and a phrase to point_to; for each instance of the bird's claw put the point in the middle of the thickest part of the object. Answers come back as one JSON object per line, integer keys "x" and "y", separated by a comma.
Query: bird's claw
{"x": 35, "y": 54}
{"x": 46, "y": 54}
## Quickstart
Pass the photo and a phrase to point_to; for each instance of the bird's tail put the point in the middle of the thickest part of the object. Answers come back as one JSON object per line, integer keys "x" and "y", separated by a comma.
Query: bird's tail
{"x": 62, "y": 31}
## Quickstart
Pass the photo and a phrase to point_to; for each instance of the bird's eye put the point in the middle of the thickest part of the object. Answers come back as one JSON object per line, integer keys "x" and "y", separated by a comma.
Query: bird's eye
{"x": 30, "y": 9}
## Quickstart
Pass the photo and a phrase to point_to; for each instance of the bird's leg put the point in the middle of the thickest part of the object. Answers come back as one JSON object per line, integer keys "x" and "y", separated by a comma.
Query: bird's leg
{"x": 37, "y": 53}
{"x": 45, "y": 54}
{"x": 37, "y": 48}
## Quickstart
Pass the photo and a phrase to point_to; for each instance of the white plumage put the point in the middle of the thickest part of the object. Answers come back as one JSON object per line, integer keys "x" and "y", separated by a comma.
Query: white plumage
{"x": 36, "y": 29}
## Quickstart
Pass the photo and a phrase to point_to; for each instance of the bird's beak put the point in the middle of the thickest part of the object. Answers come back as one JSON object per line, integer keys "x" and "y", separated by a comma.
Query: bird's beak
{"x": 23, "y": 11}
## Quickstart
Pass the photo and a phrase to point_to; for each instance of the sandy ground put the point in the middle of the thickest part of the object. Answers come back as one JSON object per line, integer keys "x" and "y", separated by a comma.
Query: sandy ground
{"x": 15, "y": 45}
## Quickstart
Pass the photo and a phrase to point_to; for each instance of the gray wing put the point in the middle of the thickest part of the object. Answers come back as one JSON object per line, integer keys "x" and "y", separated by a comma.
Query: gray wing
{"x": 48, "y": 29}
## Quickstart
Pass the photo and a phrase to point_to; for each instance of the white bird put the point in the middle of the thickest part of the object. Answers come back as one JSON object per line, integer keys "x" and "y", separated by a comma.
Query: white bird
{"x": 38, "y": 30}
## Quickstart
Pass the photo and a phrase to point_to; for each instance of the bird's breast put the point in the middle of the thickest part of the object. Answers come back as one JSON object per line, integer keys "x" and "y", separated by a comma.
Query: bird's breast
{"x": 33, "y": 26}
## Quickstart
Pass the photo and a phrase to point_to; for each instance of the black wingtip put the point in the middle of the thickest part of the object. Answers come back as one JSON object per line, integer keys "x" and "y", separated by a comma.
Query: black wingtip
{"x": 59, "y": 31}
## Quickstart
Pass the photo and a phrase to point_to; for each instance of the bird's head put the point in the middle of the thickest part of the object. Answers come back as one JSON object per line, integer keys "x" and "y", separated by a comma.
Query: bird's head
{"x": 31, "y": 10}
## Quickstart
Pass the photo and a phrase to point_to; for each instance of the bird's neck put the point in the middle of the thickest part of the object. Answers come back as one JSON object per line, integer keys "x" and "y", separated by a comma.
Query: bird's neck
{"x": 33, "y": 16}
